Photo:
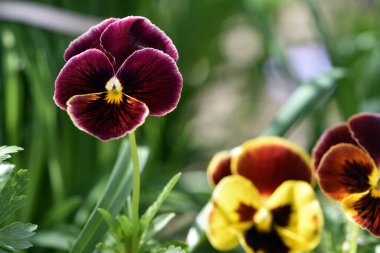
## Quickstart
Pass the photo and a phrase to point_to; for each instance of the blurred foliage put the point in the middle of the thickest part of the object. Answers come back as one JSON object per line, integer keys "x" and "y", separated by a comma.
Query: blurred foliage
{"x": 225, "y": 100}
{"x": 14, "y": 236}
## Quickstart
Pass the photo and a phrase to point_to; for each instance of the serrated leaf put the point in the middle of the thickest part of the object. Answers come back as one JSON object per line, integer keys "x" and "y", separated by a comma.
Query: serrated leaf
{"x": 153, "y": 209}
{"x": 10, "y": 196}
{"x": 16, "y": 235}
{"x": 5, "y": 168}
{"x": 6, "y": 150}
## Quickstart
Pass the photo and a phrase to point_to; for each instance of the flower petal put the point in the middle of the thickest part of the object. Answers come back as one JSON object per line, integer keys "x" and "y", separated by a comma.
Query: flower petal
{"x": 269, "y": 161}
{"x": 297, "y": 215}
{"x": 90, "y": 39}
{"x": 346, "y": 169}
{"x": 364, "y": 209}
{"x": 331, "y": 137}
{"x": 238, "y": 198}
{"x": 218, "y": 230}
{"x": 219, "y": 167}
{"x": 85, "y": 73}
{"x": 235, "y": 201}
{"x": 255, "y": 241}
{"x": 366, "y": 129}
{"x": 153, "y": 78}
{"x": 92, "y": 114}
{"x": 129, "y": 34}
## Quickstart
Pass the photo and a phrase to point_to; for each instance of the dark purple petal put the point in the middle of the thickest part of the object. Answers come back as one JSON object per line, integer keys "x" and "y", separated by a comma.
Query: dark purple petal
{"x": 129, "y": 34}
{"x": 92, "y": 114}
{"x": 152, "y": 77}
{"x": 90, "y": 39}
{"x": 85, "y": 73}
{"x": 366, "y": 129}
{"x": 331, "y": 137}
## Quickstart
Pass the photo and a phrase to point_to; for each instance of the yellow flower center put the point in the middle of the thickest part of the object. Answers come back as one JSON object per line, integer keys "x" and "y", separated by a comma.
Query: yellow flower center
{"x": 376, "y": 189}
{"x": 114, "y": 91}
{"x": 263, "y": 220}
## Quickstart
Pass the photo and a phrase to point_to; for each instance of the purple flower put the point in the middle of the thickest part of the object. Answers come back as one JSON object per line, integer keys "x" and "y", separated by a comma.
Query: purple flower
{"x": 118, "y": 73}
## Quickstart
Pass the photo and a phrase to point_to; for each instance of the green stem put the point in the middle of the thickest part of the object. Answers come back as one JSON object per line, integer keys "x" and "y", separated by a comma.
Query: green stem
{"x": 354, "y": 232}
{"x": 135, "y": 193}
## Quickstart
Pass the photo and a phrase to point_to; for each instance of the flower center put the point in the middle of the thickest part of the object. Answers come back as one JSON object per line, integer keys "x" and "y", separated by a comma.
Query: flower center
{"x": 114, "y": 91}
{"x": 263, "y": 220}
{"x": 376, "y": 189}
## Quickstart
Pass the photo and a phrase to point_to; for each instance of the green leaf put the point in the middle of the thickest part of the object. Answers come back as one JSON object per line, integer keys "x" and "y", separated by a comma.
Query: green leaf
{"x": 104, "y": 246}
{"x": 10, "y": 196}
{"x": 113, "y": 223}
{"x": 16, "y": 235}
{"x": 171, "y": 249}
{"x": 6, "y": 150}
{"x": 62, "y": 211}
{"x": 58, "y": 239}
{"x": 125, "y": 225}
{"x": 157, "y": 225}
{"x": 5, "y": 249}
{"x": 303, "y": 100}
{"x": 153, "y": 209}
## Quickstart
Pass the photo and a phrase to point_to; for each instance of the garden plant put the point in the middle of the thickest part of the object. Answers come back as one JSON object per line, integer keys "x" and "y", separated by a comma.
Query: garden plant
{"x": 190, "y": 126}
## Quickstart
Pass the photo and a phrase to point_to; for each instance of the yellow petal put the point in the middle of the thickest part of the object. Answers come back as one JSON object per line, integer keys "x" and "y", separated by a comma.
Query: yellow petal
{"x": 235, "y": 200}
{"x": 364, "y": 210}
{"x": 236, "y": 196}
{"x": 301, "y": 225}
{"x": 219, "y": 231}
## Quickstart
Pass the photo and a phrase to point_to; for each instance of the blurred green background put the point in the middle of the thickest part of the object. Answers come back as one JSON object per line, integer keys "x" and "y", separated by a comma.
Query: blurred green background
{"x": 240, "y": 61}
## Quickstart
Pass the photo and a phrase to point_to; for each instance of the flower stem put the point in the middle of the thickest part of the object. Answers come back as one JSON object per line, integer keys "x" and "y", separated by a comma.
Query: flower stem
{"x": 135, "y": 193}
{"x": 353, "y": 237}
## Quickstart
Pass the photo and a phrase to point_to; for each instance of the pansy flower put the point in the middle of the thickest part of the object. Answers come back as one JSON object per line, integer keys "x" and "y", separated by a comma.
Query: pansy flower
{"x": 347, "y": 160}
{"x": 118, "y": 73}
{"x": 263, "y": 199}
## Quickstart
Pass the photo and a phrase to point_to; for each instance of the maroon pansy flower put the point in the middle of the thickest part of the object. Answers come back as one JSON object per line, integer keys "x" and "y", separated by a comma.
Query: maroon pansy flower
{"x": 347, "y": 160}
{"x": 116, "y": 74}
